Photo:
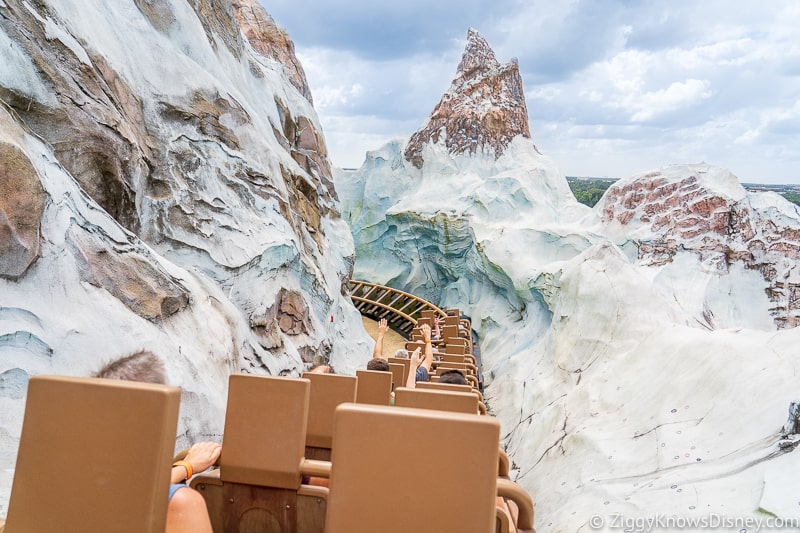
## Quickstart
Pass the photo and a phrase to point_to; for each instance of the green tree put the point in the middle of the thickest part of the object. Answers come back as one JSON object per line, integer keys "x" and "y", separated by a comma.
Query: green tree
{"x": 588, "y": 191}
{"x": 792, "y": 196}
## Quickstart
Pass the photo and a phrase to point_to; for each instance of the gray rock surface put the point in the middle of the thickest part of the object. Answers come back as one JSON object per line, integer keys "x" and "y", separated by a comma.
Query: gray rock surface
{"x": 164, "y": 186}
{"x": 640, "y": 356}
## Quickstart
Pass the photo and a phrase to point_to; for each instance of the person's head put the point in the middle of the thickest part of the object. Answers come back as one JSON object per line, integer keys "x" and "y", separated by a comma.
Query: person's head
{"x": 139, "y": 366}
{"x": 401, "y": 353}
{"x": 455, "y": 377}
{"x": 322, "y": 369}
{"x": 378, "y": 364}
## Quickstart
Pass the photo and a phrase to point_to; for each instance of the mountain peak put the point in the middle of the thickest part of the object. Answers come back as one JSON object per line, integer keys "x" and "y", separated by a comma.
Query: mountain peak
{"x": 478, "y": 56}
{"x": 482, "y": 111}
{"x": 271, "y": 41}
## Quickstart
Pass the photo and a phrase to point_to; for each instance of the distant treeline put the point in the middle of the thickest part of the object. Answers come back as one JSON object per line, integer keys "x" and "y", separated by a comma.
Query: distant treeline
{"x": 588, "y": 191}
{"x": 793, "y": 197}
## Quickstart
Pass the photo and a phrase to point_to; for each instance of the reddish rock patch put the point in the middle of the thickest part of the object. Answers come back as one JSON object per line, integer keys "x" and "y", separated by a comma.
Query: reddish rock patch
{"x": 685, "y": 216}
{"x": 22, "y": 202}
{"x": 483, "y": 110}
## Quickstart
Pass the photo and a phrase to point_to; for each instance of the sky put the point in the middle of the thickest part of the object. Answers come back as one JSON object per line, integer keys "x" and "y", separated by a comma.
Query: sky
{"x": 613, "y": 87}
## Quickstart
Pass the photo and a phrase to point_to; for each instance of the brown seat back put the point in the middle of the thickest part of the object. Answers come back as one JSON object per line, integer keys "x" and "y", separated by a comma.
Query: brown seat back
{"x": 374, "y": 387}
{"x": 455, "y": 388}
{"x": 456, "y": 349}
{"x": 94, "y": 455}
{"x": 428, "y": 313}
{"x": 452, "y": 358}
{"x": 362, "y": 470}
{"x": 455, "y": 319}
{"x": 450, "y": 332}
{"x": 452, "y": 344}
{"x": 258, "y": 486}
{"x": 458, "y": 402}
{"x": 265, "y": 430}
{"x": 443, "y": 366}
{"x": 327, "y": 392}
{"x": 398, "y": 375}
{"x": 452, "y": 387}
{"x": 406, "y": 368}
{"x": 411, "y": 346}
{"x": 451, "y": 320}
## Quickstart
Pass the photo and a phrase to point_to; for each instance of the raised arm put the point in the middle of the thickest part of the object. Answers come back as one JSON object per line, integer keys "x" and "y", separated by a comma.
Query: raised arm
{"x": 383, "y": 327}
{"x": 416, "y": 360}
{"x": 426, "y": 337}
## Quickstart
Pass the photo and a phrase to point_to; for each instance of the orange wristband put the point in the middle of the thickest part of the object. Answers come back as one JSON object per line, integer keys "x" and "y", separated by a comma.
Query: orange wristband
{"x": 427, "y": 341}
{"x": 186, "y": 465}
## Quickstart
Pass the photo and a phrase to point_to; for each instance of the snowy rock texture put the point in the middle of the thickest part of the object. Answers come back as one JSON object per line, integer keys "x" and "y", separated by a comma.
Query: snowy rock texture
{"x": 164, "y": 185}
{"x": 722, "y": 228}
{"x": 640, "y": 355}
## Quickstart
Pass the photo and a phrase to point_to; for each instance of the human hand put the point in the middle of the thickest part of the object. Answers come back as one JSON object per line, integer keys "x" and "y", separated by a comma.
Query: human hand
{"x": 416, "y": 357}
{"x": 383, "y": 327}
{"x": 202, "y": 455}
{"x": 426, "y": 332}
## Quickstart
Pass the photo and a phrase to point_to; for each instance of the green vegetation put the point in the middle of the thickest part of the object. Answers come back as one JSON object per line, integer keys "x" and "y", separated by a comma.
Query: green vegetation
{"x": 792, "y": 196}
{"x": 588, "y": 191}
{"x": 790, "y": 192}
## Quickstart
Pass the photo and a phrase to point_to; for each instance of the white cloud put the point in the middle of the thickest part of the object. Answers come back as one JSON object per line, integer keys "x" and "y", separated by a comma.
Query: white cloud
{"x": 735, "y": 52}
{"x": 677, "y": 96}
{"x": 349, "y": 137}
{"x": 627, "y": 71}
{"x": 347, "y": 83}
{"x": 613, "y": 86}
{"x": 336, "y": 96}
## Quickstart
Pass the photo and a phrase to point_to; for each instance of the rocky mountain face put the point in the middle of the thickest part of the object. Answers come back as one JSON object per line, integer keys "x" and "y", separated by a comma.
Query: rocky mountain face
{"x": 272, "y": 41}
{"x": 639, "y": 355}
{"x": 164, "y": 185}
{"x": 484, "y": 108}
{"x": 713, "y": 219}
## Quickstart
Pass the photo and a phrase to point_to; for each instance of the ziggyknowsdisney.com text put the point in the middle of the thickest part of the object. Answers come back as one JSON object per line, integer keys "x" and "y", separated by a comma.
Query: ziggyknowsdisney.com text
{"x": 642, "y": 524}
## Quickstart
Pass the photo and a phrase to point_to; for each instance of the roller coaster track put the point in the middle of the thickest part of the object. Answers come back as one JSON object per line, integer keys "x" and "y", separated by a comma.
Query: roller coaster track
{"x": 399, "y": 308}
